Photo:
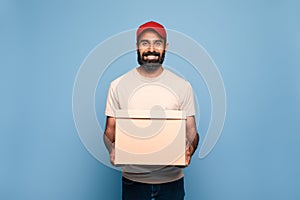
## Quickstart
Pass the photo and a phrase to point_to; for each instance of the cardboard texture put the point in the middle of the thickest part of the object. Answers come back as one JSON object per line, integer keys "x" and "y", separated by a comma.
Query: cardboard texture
{"x": 145, "y": 137}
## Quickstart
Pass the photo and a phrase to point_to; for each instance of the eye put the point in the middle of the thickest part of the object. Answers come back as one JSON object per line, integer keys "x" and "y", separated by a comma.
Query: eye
{"x": 158, "y": 43}
{"x": 144, "y": 43}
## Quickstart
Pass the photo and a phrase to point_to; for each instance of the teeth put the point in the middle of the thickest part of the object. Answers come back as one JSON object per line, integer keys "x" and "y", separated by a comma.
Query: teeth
{"x": 151, "y": 57}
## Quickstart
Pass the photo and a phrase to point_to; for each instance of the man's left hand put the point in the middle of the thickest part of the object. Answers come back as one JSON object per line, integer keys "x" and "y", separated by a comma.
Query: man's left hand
{"x": 188, "y": 155}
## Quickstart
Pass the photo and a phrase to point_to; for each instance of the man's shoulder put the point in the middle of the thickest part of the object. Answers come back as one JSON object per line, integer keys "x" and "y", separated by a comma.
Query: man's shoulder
{"x": 176, "y": 77}
{"x": 127, "y": 75}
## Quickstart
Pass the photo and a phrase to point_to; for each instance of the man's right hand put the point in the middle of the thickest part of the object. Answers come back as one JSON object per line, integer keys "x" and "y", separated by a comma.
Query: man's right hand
{"x": 109, "y": 138}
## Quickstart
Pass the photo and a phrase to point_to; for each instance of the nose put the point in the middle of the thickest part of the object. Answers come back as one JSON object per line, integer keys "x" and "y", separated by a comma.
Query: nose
{"x": 151, "y": 47}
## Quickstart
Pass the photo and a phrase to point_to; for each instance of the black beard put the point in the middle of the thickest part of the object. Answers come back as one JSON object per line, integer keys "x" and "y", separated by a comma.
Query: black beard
{"x": 150, "y": 65}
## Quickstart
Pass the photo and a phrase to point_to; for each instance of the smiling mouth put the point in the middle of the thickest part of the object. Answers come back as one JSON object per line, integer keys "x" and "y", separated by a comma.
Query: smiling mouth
{"x": 151, "y": 57}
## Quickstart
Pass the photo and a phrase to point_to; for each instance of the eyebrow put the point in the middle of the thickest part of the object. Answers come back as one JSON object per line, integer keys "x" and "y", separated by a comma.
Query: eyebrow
{"x": 152, "y": 40}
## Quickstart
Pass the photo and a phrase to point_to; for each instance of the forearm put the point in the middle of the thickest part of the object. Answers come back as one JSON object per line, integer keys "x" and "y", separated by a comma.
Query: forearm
{"x": 191, "y": 134}
{"x": 108, "y": 143}
{"x": 109, "y": 134}
{"x": 193, "y": 143}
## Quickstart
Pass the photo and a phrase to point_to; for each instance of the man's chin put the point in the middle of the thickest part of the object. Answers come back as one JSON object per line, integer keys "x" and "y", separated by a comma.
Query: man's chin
{"x": 150, "y": 67}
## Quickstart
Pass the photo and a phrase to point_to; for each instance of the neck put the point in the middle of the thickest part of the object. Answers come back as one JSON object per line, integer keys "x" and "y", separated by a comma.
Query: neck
{"x": 150, "y": 74}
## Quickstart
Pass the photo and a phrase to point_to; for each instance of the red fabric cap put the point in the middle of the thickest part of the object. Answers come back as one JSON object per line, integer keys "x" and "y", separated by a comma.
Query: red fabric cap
{"x": 160, "y": 29}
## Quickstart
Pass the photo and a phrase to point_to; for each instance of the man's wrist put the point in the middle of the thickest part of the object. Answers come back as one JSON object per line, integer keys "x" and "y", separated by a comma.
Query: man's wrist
{"x": 112, "y": 146}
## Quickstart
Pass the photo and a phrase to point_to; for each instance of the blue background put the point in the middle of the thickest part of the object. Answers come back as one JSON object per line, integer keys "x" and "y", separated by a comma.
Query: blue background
{"x": 255, "y": 44}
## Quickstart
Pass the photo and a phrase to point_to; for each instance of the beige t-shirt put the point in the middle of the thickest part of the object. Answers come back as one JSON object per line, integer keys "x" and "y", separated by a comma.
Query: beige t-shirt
{"x": 167, "y": 91}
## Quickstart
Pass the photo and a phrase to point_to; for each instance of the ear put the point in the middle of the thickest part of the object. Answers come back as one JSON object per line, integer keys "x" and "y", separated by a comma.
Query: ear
{"x": 167, "y": 46}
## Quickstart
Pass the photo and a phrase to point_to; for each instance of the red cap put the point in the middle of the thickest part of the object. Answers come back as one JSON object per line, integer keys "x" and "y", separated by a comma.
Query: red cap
{"x": 158, "y": 28}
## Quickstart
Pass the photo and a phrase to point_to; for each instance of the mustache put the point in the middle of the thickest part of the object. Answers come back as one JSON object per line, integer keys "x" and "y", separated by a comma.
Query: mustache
{"x": 151, "y": 53}
{"x": 141, "y": 61}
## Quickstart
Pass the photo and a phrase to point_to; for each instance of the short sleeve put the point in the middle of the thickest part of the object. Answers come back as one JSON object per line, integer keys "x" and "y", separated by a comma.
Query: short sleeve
{"x": 112, "y": 102}
{"x": 188, "y": 101}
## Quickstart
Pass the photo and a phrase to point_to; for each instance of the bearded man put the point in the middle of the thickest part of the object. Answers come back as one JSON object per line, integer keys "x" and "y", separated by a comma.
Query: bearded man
{"x": 148, "y": 86}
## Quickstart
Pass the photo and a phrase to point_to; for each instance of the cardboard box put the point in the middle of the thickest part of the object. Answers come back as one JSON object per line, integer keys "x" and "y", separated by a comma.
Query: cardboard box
{"x": 150, "y": 137}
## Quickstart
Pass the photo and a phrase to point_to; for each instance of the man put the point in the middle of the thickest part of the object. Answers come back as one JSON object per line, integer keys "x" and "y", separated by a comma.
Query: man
{"x": 135, "y": 90}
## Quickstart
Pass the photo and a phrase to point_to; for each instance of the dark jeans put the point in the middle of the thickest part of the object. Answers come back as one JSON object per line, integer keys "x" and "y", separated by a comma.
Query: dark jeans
{"x": 132, "y": 190}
